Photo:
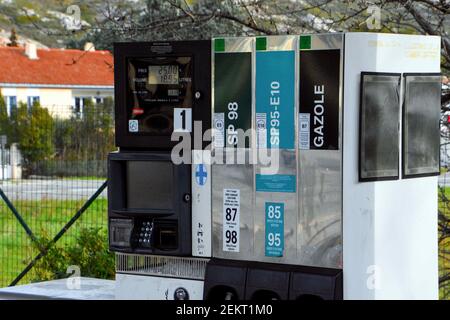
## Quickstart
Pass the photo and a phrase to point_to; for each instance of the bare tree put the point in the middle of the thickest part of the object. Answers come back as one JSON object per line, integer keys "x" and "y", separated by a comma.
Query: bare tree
{"x": 182, "y": 19}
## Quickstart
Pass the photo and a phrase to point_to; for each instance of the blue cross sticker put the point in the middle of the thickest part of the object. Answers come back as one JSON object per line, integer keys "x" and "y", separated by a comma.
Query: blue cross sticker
{"x": 201, "y": 174}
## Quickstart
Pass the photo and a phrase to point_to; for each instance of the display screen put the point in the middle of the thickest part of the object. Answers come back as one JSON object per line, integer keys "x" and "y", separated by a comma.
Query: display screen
{"x": 163, "y": 74}
{"x": 379, "y": 133}
{"x": 421, "y": 138}
{"x": 155, "y": 87}
{"x": 149, "y": 185}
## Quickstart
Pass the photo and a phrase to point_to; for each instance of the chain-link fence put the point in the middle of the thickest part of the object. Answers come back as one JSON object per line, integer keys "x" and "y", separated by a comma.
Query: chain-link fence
{"x": 53, "y": 205}
{"x": 444, "y": 229}
{"x": 444, "y": 201}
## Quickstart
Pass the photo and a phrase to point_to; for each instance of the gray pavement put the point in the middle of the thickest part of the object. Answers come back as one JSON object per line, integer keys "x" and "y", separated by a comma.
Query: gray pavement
{"x": 51, "y": 189}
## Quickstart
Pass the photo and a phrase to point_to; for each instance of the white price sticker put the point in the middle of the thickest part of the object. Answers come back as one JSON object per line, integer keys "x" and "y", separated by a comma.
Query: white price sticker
{"x": 231, "y": 214}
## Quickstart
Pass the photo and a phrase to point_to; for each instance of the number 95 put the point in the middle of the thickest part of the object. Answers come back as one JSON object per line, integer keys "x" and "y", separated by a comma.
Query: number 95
{"x": 274, "y": 239}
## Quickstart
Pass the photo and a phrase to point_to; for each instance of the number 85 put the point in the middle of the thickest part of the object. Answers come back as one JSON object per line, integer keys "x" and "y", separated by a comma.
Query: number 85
{"x": 274, "y": 212}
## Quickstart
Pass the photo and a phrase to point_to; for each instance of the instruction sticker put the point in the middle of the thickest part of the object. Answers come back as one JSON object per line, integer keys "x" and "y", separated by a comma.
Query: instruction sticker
{"x": 304, "y": 120}
{"x": 275, "y": 183}
{"x": 231, "y": 214}
{"x": 219, "y": 130}
{"x": 274, "y": 244}
{"x": 133, "y": 126}
{"x": 261, "y": 130}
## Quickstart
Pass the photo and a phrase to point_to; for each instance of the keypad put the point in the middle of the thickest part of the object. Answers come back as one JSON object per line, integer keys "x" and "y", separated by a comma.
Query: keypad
{"x": 145, "y": 233}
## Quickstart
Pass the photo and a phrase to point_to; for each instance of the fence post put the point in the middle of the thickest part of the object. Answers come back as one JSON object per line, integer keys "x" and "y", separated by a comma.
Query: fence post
{"x": 3, "y": 141}
{"x": 16, "y": 168}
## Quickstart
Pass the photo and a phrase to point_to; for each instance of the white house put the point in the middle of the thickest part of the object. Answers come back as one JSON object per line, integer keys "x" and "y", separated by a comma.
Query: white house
{"x": 60, "y": 79}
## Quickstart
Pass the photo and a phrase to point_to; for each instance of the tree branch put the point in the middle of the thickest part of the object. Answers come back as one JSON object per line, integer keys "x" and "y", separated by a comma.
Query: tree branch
{"x": 426, "y": 25}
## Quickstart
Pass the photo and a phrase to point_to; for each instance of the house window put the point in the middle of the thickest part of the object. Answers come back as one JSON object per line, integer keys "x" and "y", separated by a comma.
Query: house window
{"x": 31, "y": 100}
{"x": 98, "y": 100}
{"x": 11, "y": 104}
{"x": 79, "y": 105}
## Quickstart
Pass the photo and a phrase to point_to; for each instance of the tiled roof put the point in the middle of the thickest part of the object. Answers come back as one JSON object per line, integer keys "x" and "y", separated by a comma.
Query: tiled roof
{"x": 56, "y": 67}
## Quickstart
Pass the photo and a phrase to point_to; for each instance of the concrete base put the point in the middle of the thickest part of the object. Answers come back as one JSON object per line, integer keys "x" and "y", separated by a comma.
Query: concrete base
{"x": 76, "y": 288}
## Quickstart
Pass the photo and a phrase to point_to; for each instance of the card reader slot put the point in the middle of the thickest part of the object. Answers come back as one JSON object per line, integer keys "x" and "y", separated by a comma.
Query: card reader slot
{"x": 165, "y": 236}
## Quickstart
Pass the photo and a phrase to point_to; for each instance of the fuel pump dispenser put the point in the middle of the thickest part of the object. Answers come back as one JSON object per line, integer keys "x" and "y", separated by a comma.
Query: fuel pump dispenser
{"x": 291, "y": 218}
{"x": 161, "y": 90}
{"x": 300, "y": 191}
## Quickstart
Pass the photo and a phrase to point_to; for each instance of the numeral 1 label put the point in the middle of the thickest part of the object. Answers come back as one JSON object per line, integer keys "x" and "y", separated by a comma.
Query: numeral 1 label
{"x": 231, "y": 215}
{"x": 182, "y": 120}
{"x": 274, "y": 244}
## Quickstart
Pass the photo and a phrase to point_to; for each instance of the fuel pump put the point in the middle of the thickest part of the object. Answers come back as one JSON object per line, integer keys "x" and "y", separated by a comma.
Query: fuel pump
{"x": 296, "y": 181}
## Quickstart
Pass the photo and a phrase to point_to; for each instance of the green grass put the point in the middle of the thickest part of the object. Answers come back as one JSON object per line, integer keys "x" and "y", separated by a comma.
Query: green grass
{"x": 46, "y": 217}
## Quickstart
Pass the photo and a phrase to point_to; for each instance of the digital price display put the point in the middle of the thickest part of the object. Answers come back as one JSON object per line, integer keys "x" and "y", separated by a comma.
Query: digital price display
{"x": 157, "y": 86}
{"x": 164, "y": 74}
